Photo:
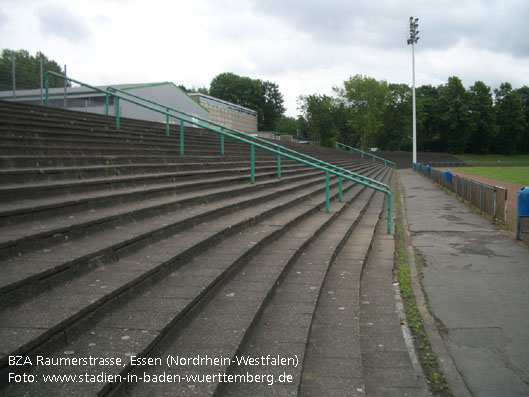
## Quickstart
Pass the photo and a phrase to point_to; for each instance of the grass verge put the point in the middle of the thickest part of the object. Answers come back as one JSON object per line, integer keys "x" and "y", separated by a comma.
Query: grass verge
{"x": 429, "y": 361}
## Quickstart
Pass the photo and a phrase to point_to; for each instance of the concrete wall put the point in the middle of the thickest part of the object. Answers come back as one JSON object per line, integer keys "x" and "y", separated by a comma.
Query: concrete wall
{"x": 228, "y": 114}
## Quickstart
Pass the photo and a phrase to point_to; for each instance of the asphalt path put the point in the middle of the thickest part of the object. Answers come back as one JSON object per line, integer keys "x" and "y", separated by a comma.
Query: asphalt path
{"x": 476, "y": 278}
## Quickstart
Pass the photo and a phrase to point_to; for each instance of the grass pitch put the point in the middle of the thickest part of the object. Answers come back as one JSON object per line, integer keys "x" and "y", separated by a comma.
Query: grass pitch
{"x": 519, "y": 175}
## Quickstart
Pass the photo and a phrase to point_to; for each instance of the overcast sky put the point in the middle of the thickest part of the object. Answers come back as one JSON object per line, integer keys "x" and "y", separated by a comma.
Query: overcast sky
{"x": 304, "y": 46}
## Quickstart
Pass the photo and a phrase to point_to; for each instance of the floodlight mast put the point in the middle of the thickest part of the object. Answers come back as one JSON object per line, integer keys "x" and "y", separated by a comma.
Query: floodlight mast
{"x": 414, "y": 38}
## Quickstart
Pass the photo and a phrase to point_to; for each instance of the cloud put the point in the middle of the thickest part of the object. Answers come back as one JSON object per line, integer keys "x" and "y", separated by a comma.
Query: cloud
{"x": 4, "y": 19}
{"x": 57, "y": 20}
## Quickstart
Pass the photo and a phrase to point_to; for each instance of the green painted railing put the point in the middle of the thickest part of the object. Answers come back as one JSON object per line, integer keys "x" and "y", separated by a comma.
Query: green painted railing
{"x": 363, "y": 154}
{"x": 328, "y": 171}
{"x": 249, "y": 137}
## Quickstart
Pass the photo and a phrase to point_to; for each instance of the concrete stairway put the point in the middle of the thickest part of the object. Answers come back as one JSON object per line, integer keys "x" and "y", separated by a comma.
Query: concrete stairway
{"x": 115, "y": 247}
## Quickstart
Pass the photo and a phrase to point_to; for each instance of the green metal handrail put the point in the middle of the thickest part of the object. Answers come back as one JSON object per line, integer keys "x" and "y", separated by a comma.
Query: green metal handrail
{"x": 338, "y": 144}
{"x": 247, "y": 136}
{"x": 386, "y": 190}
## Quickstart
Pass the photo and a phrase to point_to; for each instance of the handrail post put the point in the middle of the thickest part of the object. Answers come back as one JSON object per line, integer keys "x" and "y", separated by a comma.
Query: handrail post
{"x": 47, "y": 85}
{"x": 116, "y": 102}
{"x": 327, "y": 193}
{"x": 340, "y": 189}
{"x": 106, "y": 104}
{"x": 181, "y": 137}
{"x": 252, "y": 163}
{"x": 279, "y": 165}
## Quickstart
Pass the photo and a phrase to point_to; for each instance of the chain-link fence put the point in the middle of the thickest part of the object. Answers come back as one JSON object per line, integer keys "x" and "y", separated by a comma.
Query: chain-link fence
{"x": 22, "y": 76}
{"x": 488, "y": 199}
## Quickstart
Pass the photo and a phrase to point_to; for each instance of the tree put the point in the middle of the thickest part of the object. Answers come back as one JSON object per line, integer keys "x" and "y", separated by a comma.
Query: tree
{"x": 428, "y": 120}
{"x": 455, "y": 122}
{"x": 262, "y": 96}
{"x": 319, "y": 112}
{"x": 27, "y": 70}
{"x": 510, "y": 119}
{"x": 397, "y": 118}
{"x": 482, "y": 118}
{"x": 271, "y": 105}
{"x": 287, "y": 125}
{"x": 523, "y": 93}
{"x": 367, "y": 99}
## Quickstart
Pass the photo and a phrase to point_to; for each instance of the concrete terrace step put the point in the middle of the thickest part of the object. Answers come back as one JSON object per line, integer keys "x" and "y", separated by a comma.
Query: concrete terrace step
{"x": 11, "y": 192}
{"x": 114, "y": 245}
{"x": 25, "y": 176}
{"x": 70, "y": 161}
{"x": 31, "y": 263}
{"x": 24, "y": 237}
{"x": 34, "y": 209}
{"x": 282, "y": 328}
{"x": 333, "y": 362}
{"x": 184, "y": 288}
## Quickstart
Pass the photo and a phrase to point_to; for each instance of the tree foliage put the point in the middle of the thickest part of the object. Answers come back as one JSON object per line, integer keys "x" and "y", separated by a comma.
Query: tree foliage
{"x": 368, "y": 99}
{"x": 482, "y": 118}
{"x": 454, "y": 108}
{"x": 511, "y": 120}
{"x": 262, "y": 96}
{"x": 369, "y": 113}
{"x": 27, "y": 70}
{"x": 319, "y": 112}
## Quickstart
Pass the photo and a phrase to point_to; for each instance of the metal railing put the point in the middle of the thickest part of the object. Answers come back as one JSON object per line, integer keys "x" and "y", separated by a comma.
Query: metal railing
{"x": 490, "y": 200}
{"x": 246, "y": 136}
{"x": 336, "y": 171}
{"x": 363, "y": 154}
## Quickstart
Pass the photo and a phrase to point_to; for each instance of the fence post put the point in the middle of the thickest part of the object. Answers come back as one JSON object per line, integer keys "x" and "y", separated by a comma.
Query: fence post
{"x": 327, "y": 193}
{"x": 481, "y": 198}
{"x": 41, "y": 71}
{"x": 46, "y": 90}
{"x": 470, "y": 194}
{"x": 493, "y": 203}
{"x": 13, "y": 77}
{"x": 65, "y": 91}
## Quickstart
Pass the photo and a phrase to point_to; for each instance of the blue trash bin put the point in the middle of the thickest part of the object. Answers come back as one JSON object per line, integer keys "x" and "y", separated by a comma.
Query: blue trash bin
{"x": 523, "y": 210}
{"x": 428, "y": 169}
{"x": 523, "y": 201}
{"x": 448, "y": 176}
